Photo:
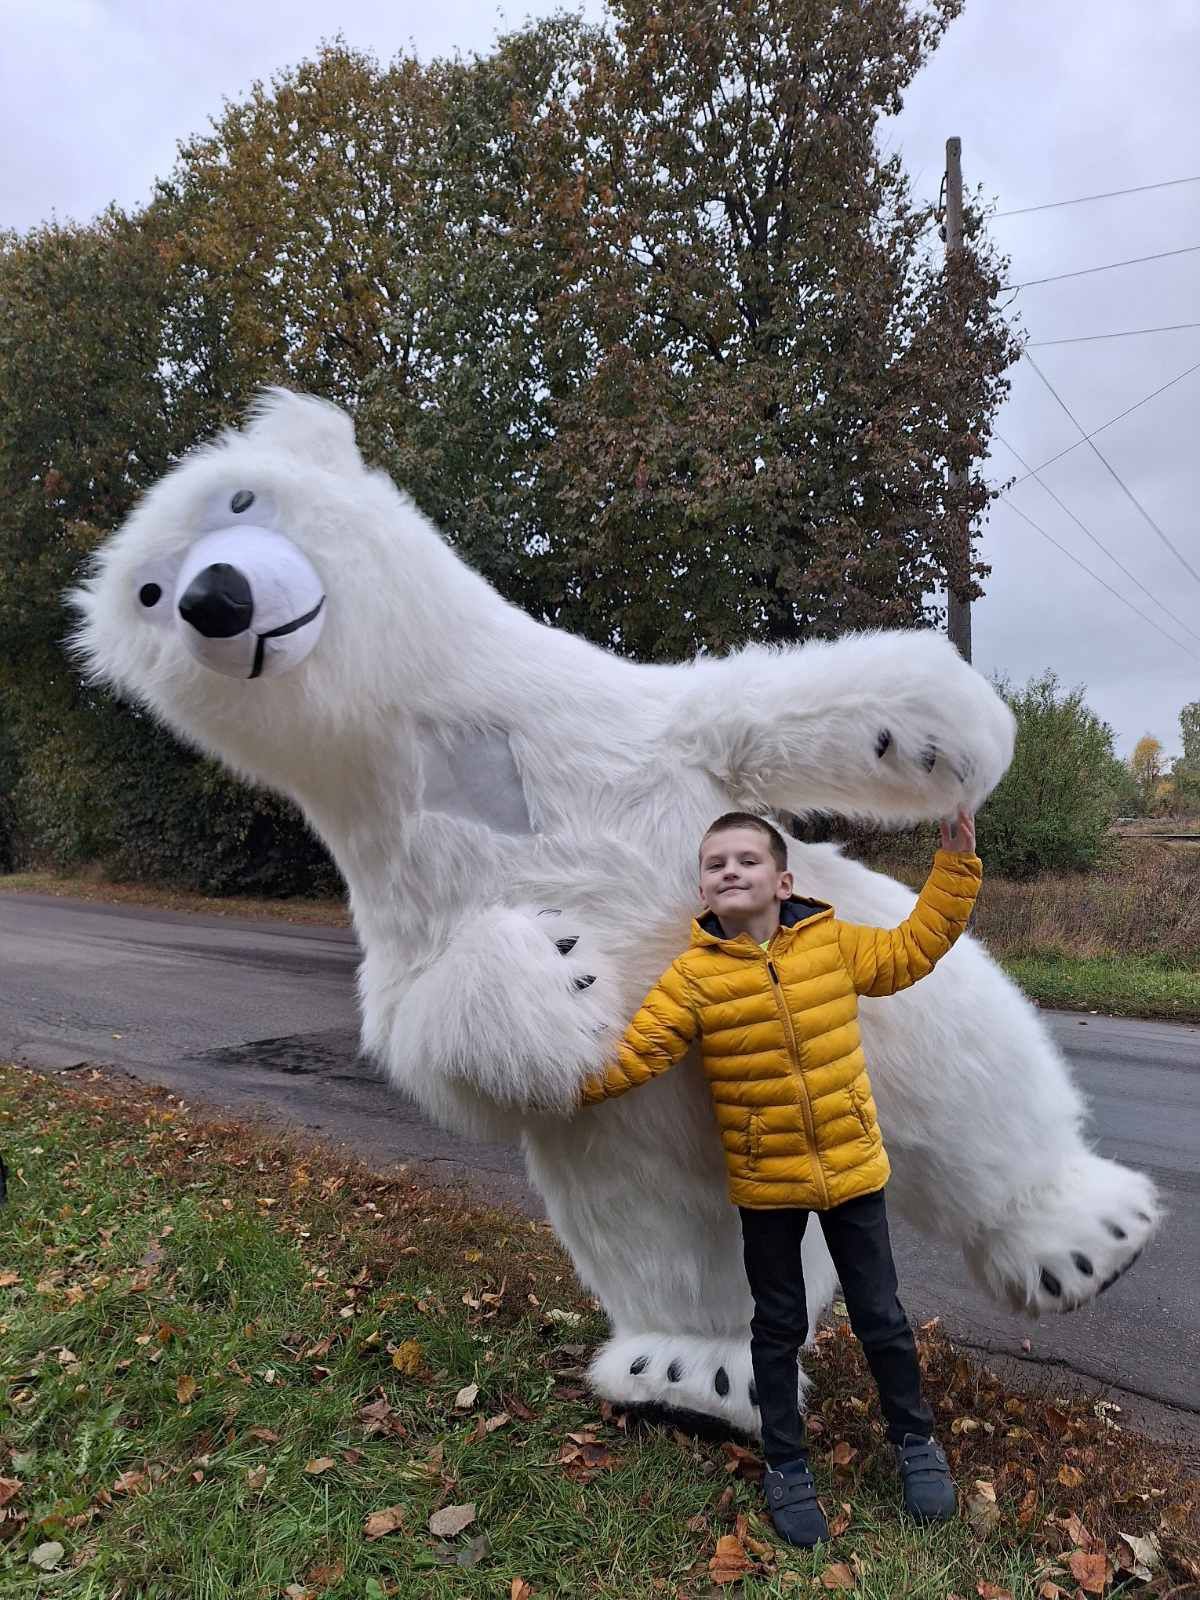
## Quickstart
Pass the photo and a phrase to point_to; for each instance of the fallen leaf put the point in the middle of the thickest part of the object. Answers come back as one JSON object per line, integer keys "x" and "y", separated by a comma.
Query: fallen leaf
{"x": 256, "y": 1478}
{"x": 326, "y": 1575}
{"x": 1136, "y": 1555}
{"x": 1050, "y": 1591}
{"x": 1074, "y": 1530}
{"x": 730, "y": 1563}
{"x": 697, "y": 1524}
{"x": 837, "y": 1575}
{"x": 466, "y": 1397}
{"x": 385, "y": 1521}
{"x": 47, "y": 1556}
{"x": 129, "y": 1483}
{"x": 1027, "y": 1508}
{"x": 992, "y": 1591}
{"x": 451, "y": 1520}
{"x": 842, "y": 1455}
{"x": 7, "y": 1279}
{"x": 9, "y": 1487}
{"x": 520, "y": 1590}
{"x": 319, "y": 1464}
{"x": 265, "y": 1434}
{"x": 1070, "y": 1477}
{"x": 1090, "y": 1570}
{"x": 840, "y": 1521}
{"x": 186, "y": 1390}
{"x": 408, "y": 1358}
{"x": 983, "y": 1513}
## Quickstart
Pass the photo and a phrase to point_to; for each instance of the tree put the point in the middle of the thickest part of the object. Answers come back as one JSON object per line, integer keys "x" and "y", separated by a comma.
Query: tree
{"x": 1054, "y": 806}
{"x": 1147, "y": 767}
{"x": 755, "y": 373}
{"x": 1189, "y": 733}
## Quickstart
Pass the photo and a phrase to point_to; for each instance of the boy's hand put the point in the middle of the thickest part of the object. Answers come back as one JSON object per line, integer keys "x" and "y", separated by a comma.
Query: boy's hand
{"x": 959, "y": 836}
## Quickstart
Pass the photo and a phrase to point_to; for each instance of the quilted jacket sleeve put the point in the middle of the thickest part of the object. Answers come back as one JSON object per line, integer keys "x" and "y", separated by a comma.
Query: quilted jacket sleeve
{"x": 654, "y": 1041}
{"x": 883, "y": 960}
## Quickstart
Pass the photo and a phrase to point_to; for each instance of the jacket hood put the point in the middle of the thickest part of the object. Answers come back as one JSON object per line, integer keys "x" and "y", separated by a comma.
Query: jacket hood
{"x": 794, "y": 911}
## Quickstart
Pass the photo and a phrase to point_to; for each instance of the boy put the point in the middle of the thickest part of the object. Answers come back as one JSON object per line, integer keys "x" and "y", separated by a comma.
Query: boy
{"x": 770, "y": 983}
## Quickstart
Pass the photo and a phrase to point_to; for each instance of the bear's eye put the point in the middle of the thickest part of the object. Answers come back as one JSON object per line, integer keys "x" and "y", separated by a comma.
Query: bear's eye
{"x": 242, "y": 500}
{"x": 150, "y": 594}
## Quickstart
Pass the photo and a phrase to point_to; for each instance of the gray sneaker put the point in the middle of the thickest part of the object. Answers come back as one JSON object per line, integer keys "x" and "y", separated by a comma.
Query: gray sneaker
{"x": 792, "y": 1502}
{"x": 929, "y": 1494}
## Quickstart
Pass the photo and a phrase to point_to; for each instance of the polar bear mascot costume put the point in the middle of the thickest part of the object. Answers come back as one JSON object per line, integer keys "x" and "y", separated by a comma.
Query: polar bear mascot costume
{"x": 517, "y": 814}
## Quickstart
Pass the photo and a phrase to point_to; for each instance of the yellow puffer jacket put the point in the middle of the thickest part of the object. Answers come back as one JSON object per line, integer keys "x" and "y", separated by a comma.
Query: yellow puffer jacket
{"x": 781, "y": 1048}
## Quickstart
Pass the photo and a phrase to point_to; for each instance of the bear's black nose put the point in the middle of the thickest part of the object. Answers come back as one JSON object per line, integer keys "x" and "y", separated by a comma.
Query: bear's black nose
{"x": 218, "y": 602}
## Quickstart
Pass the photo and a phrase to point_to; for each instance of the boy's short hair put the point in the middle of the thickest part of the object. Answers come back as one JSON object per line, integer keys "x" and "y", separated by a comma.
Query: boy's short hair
{"x": 745, "y": 819}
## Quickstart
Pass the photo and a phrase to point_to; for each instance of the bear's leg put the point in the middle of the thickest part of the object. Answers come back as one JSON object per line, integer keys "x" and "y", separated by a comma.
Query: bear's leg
{"x": 985, "y": 1130}
{"x": 636, "y": 1192}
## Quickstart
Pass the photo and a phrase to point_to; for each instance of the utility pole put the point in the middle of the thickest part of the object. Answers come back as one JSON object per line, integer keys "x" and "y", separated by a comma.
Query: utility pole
{"x": 958, "y": 612}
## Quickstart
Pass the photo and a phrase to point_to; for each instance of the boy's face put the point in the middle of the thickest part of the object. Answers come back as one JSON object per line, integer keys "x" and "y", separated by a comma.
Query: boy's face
{"x": 738, "y": 875}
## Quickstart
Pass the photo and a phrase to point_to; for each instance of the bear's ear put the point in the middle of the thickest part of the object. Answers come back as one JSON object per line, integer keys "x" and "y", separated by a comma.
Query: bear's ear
{"x": 319, "y": 433}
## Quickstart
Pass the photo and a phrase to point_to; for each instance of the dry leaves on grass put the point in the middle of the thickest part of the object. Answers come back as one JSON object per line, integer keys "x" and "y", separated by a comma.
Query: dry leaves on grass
{"x": 451, "y": 1520}
{"x": 583, "y": 1455}
{"x": 466, "y": 1397}
{"x": 9, "y": 1488}
{"x": 731, "y": 1562}
{"x": 837, "y": 1575}
{"x": 992, "y": 1591}
{"x": 842, "y": 1455}
{"x": 983, "y": 1513}
{"x": 1090, "y": 1569}
{"x": 318, "y": 1465}
{"x": 381, "y": 1523}
{"x": 520, "y": 1590}
{"x": 409, "y": 1358}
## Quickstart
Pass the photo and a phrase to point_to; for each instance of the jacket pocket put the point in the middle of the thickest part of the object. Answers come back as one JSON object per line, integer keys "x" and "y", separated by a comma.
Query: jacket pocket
{"x": 861, "y": 1110}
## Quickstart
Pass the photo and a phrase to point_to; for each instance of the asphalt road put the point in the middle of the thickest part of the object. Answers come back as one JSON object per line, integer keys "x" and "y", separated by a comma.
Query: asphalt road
{"x": 259, "y": 1017}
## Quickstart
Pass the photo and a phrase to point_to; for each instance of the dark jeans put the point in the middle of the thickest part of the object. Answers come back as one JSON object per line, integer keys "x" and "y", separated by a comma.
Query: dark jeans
{"x": 857, "y": 1236}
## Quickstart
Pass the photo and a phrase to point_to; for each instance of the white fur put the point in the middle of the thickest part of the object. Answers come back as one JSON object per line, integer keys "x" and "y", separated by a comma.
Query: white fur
{"x": 465, "y": 995}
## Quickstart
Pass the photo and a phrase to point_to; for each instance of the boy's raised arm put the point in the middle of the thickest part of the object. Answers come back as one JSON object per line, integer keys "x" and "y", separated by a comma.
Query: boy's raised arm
{"x": 654, "y": 1041}
{"x": 884, "y": 960}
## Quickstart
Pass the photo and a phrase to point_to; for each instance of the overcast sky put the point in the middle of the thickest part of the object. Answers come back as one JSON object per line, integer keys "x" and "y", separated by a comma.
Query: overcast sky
{"x": 1051, "y": 102}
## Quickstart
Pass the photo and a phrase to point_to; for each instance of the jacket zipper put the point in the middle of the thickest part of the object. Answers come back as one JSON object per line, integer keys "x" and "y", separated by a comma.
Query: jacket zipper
{"x": 804, "y": 1102}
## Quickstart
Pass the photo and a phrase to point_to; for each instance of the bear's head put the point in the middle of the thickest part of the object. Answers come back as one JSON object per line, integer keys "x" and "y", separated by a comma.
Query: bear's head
{"x": 271, "y": 594}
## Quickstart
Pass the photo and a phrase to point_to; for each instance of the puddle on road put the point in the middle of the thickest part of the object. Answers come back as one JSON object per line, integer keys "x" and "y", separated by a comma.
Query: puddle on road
{"x": 329, "y": 1055}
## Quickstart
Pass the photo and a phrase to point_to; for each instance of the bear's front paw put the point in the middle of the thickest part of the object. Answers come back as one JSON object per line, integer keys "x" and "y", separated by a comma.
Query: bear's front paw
{"x": 565, "y": 944}
{"x": 924, "y": 756}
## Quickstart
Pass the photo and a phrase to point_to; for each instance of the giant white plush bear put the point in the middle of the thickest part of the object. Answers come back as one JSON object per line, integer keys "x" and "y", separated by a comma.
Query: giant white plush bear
{"x": 517, "y": 815}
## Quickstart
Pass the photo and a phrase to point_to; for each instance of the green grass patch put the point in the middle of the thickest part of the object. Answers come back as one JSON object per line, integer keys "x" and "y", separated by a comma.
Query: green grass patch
{"x": 1131, "y": 986}
{"x": 222, "y": 1356}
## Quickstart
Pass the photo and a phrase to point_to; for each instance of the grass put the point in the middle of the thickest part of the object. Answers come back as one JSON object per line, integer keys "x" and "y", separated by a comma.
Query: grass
{"x": 221, "y": 1354}
{"x": 1136, "y": 986}
{"x": 94, "y": 886}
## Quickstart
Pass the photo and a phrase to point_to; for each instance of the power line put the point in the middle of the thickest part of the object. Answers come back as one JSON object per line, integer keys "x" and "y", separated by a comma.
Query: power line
{"x": 1104, "y": 550}
{"x": 1128, "y": 333}
{"x": 1109, "y": 266}
{"x": 1083, "y": 199}
{"x": 1041, "y": 467}
{"x": 1012, "y": 505}
{"x": 1113, "y": 473}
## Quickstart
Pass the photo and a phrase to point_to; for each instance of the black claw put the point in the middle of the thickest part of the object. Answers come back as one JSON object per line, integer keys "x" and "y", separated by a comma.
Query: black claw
{"x": 753, "y": 1392}
{"x": 675, "y": 1372}
{"x": 1119, "y": 1273}
{"x": 586, "y": 981}
{"x": 928, "y": 756}
{"x": 551, "y": 911}
{"x": 1144, "y": 1217}
{"x": 1082, "y": 1264}
{"x": 1050, "y": 1283}
{"x": 638, "y": 1366}
{"x": 883, "y": 743}
{"x": 1117, "y": 1233}
{"x": 721, "y": 1382}
{"x": 565, "y": 946}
